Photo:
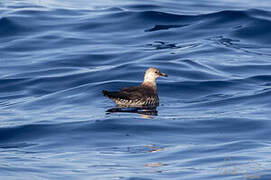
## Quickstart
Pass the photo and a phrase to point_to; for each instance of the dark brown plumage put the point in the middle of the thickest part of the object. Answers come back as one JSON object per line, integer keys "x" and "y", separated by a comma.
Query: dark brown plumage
{"x": 138, "y": 96}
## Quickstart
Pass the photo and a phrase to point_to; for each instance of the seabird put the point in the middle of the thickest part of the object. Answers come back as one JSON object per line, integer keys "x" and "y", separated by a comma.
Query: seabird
{"x": 144, "y": 95}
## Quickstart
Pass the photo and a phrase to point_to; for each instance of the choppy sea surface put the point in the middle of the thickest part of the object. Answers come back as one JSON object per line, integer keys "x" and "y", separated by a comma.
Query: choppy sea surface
{"x": 214, "y": 119}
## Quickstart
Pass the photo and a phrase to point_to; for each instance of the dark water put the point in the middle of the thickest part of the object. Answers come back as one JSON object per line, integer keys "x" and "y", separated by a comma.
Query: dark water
{"x": 214, "y": 117}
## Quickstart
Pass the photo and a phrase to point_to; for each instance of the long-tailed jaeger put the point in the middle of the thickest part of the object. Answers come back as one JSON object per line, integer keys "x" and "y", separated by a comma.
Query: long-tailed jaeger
{"x": 138, "y": 96}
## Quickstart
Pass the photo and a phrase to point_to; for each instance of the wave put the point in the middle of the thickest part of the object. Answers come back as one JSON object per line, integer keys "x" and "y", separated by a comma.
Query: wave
{"x": 55, "y": 61}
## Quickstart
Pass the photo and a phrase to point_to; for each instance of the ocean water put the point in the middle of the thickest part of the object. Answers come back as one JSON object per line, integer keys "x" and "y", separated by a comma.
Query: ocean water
{"x": 214, "y": 119}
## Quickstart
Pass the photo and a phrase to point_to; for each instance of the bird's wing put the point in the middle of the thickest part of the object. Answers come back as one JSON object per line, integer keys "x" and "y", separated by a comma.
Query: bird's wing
{"x": 131, "y": 93}
{"x": 128, "y": 93}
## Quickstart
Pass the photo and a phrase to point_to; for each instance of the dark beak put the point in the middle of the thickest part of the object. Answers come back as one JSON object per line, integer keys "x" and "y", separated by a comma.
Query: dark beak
{"x": 163, "y": 74}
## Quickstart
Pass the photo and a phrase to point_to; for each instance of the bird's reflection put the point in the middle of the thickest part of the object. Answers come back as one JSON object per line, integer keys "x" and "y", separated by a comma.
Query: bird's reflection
{"x": 145, "y": 112}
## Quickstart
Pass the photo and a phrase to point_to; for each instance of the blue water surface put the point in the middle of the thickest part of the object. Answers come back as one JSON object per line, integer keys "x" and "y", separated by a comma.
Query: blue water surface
{"x": 213, "y": 121}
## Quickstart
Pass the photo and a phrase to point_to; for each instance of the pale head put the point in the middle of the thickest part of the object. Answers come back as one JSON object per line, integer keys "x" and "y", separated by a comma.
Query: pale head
{"x": 152, "y": 74}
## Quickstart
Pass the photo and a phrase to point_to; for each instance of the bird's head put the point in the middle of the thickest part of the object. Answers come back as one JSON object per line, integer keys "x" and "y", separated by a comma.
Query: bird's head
{"x": 152, "y": 74}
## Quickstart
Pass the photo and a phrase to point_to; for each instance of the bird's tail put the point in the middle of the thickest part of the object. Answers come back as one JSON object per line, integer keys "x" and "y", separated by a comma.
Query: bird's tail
{"x": 105, "y": 93}
{"x": 109, "y": 94}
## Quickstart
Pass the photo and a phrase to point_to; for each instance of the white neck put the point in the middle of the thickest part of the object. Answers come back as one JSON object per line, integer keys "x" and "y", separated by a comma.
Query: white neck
{"x": 149, "y": 83}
